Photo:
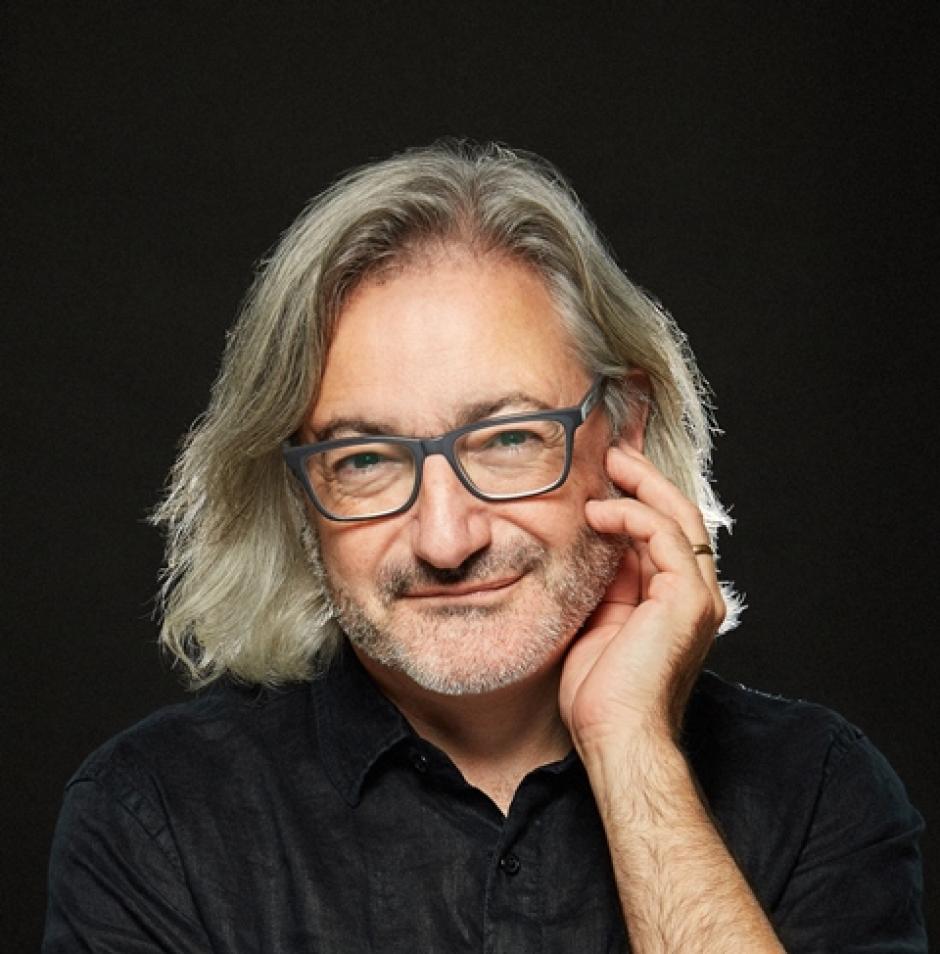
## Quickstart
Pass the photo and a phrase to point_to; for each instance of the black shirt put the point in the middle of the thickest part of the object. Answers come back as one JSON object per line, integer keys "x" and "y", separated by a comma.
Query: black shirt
{"x": 313, "y": 819}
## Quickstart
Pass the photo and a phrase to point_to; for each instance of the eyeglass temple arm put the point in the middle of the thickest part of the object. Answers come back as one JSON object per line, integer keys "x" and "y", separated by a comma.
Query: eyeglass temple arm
{"x": 593, "y": 396}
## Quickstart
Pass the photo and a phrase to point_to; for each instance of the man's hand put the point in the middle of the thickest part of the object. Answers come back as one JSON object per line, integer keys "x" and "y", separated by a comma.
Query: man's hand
{"x": 624, "y": 687}
{"x": 634, "y": 664}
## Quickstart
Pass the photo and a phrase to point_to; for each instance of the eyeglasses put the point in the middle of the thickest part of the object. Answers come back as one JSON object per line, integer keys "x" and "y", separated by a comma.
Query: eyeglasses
{"x": 502, "y": 458}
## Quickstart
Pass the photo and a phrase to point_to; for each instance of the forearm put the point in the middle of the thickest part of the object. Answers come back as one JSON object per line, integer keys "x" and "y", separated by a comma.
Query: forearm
{"x": 680, "y": 889}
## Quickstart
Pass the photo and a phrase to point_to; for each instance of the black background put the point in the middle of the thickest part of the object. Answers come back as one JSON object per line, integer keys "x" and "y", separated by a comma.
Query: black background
{"x": 768, "y": 170}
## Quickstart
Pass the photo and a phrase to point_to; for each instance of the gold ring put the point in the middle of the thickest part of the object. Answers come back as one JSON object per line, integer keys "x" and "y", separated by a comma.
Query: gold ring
{"x": 702, "y": 549}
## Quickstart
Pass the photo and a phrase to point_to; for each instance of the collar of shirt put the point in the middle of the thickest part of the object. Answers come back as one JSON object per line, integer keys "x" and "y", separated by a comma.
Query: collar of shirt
{"x": 354, "y": 723}
{"x": 356, "y": 726}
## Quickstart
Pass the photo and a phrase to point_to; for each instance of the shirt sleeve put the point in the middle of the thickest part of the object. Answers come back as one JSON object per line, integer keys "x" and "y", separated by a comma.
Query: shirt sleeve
{"x": 116, "y": 885}
{"x": 857, "y": 885}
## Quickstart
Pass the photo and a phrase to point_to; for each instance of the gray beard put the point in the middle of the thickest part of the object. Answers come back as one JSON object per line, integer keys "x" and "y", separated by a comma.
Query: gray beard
{"x": 573, "y": 582}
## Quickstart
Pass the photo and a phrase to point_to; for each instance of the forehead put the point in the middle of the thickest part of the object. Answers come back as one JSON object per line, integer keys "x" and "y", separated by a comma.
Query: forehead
{"x": 420, "y": 344}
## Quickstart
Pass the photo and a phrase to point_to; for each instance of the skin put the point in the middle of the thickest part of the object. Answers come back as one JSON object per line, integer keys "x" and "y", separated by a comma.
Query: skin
{"x": 464, "y": 332}
{"x": 411, "y": 352}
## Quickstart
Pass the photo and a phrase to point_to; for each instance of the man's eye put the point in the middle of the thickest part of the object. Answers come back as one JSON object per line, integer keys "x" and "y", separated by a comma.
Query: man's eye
{"x": 361, "y": 461}
{"x": 512, "y": 438}
{"x": 516, "y": 441}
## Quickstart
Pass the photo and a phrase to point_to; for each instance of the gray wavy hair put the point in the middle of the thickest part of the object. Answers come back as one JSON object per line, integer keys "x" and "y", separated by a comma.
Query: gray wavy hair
{"x": 240, "y": 593}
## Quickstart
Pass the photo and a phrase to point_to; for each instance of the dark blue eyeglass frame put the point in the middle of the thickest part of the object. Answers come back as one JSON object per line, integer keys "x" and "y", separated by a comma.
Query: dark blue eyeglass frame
{"x": 421, "y": 448}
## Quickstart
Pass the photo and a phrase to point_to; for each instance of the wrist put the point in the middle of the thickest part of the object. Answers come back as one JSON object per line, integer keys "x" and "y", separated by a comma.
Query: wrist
{"x": 626, "y": 746}
{"x": 640, "y": 776}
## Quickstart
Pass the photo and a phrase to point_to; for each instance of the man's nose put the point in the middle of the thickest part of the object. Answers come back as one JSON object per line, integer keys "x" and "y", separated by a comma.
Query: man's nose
{"x": 450, "y": 523}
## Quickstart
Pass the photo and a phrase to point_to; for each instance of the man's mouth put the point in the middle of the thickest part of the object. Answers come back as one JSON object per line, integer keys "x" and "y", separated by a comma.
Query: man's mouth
{"x": 483, "y": 577}
{"x": 479, "y": 589}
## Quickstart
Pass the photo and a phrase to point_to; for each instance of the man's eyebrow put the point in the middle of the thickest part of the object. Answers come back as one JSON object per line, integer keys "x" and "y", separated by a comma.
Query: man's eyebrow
{"x": 354, "y": 426}
{"x": 518, "y": 401}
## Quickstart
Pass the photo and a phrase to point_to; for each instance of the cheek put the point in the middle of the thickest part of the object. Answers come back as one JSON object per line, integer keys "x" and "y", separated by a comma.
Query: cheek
{"x": 551, "y": 520}
{"x": 352, "y": 554}
{"x": 587, "y": 484}
{"x": 556, "y": 519}
{"x": 589, "y": 478}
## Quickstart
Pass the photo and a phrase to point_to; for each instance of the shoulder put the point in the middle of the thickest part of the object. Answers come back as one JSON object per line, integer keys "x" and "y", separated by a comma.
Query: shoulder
{"x": 733, "y": 717}
{"x": 154, "y": 789}
{"x": 745, "y": 733}
{"x": 740, "y": 738}
{"x": 787, "y": 763}
{"x": 804, "y": 798}
{"x": 152, "y": 809}
{"x": 200, "y": 738}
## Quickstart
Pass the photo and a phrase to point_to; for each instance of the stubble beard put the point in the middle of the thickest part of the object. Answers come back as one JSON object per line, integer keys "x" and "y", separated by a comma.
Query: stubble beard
{"x": 469, "y": 649}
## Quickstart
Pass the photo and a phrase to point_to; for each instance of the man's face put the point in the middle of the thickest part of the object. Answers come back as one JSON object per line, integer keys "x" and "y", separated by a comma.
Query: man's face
{"x": 459, "y": 594}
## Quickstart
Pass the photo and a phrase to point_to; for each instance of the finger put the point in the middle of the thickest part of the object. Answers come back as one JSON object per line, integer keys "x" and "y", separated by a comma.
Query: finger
{"x": 625, "y": 587}
{"x": 646, "y": 568}
{"x": 661, "y": 545}
{"x": 622, "y": 596}
{"x": 631, "y": 471}
{"x": 643, "y": 524}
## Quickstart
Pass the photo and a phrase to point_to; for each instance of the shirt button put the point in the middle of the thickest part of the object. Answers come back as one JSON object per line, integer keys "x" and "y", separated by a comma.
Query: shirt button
{"x": 419, "y": 761}
{"x": 510, "y": 863}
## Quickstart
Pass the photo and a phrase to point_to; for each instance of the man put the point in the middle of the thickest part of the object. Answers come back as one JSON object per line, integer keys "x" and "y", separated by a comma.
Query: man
{"x": 444, "y": 544}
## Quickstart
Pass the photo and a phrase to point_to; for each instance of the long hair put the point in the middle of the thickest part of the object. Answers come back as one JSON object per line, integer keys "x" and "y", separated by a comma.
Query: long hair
{"x": 240, "y": 594}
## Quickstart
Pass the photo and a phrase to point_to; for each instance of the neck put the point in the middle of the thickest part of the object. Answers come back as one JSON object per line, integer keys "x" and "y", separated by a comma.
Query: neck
{"x": 494, "y": 738}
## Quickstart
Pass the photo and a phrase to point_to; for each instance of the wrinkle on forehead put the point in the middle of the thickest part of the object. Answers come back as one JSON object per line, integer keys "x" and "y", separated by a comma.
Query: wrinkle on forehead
{"x": 419, "y": 348}
{"x": 470, "y": 413}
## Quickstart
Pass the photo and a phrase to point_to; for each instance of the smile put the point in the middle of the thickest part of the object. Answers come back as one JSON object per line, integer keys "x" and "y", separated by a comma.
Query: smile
{"x": 478, "y": 590}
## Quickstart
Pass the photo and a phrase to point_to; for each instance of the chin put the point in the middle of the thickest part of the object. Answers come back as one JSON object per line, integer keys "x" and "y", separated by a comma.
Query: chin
{"x": 466, "y": 650}
{"x": 477, "y": 676}
{"x": 471, "y": 648}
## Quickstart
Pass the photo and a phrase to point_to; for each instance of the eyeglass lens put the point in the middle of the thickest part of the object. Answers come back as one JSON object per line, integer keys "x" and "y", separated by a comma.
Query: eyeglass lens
{"x": 499, "y": 460}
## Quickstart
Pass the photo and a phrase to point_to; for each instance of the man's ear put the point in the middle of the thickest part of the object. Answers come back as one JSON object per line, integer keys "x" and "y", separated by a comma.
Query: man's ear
{"x": 639, "y": 392}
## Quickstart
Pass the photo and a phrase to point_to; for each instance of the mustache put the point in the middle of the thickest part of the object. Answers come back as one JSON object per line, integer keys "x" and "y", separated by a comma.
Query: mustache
{"x": 398, "y": 580}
